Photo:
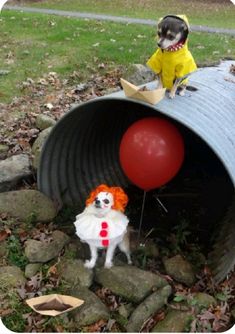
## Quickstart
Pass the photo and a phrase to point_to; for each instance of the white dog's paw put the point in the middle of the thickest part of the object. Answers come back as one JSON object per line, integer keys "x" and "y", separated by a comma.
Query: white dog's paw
{"x": 108, "y": 265}
{"x": 172, "y": 95}
{"x": 89, "y": 264}
{"x": 182, "y": 92}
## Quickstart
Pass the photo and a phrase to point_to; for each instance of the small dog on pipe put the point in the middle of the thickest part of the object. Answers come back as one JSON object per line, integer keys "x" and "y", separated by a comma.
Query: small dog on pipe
{"x": 173, "y": 61}
{"x": 103, "y": 224}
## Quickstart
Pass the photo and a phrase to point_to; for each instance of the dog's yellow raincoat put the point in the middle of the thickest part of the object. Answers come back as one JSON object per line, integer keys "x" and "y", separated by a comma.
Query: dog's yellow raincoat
{"x": 171, "y": 65}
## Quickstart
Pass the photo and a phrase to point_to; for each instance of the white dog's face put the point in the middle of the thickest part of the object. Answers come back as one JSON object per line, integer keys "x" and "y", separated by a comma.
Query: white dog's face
{"x": 103, "y": 203}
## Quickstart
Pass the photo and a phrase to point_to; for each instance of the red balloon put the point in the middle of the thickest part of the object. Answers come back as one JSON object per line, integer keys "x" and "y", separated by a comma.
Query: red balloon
{"x": 151, "y": 152}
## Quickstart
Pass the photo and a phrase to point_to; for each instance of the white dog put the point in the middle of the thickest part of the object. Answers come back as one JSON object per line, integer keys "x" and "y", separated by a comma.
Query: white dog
{"x": 103, "y": 225}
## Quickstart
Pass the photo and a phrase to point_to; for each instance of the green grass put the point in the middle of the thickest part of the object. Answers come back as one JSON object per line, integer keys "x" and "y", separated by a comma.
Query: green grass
{"x": 33, "y": 45}
{"x": 15, "y": 321}
{"x": 214, "y": 14}
{"x": 16, "y": 254}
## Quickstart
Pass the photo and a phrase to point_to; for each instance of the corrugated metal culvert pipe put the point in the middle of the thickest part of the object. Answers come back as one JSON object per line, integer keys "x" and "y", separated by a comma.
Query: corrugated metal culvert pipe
{"x": 82, "y": 151}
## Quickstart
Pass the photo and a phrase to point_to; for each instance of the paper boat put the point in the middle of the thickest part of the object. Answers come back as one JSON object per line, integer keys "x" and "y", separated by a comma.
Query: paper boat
{"x": 54, "y": 304}
{"x": 151, "y": 96}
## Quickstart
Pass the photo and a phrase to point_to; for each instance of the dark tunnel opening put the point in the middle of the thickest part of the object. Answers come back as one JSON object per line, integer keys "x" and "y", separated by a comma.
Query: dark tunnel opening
{"x": 196, "y": 199}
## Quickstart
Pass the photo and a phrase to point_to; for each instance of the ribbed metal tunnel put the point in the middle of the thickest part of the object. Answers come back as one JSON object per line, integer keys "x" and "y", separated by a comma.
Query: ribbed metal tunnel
{"x": 82, "y": 150}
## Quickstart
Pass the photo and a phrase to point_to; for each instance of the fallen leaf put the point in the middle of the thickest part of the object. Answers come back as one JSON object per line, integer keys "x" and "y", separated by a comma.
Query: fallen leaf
{"x": 4, "y": 234}
{"x": 97, "y": 327}
{"x": 4, "y": 313}
{"x": 52, "y": 270}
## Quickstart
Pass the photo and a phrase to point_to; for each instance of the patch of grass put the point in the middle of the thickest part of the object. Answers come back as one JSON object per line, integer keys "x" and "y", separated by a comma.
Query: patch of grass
{"x": 33, "y": 45}
{"x": 71, "y": 253}
{"x": 214, "y": 14}
{"x": 16, "y": 254}
{"x": 31, "y": 220}
{"x": 15, "y": 320}
{"x": 59, "y": 324}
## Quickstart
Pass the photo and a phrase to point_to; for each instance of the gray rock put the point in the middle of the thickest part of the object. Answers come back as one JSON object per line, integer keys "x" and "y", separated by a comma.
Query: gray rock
{"x": 147, "y": 308}
{"x": 11, "y": 277}
{"x": 38, "y": 145}
{"x": 12, "y": 170}
{"x": 139, "y": 74}
{"x": 131, "y": 283}
{"x": 125, "y": 310}
{"x": 174, "y": 322}
{"x": 73, "y": 272}
{"x": 3, "y": 151}
{"x": 203, "y": 299}
{"x": 43, "y": 122}
{"x": 91, "y": 311}
{"x": 39, "y": 251}
{"x": 76, "y": 249}
{"x": 180, "y": 270}
{"x": 70, "y": 250}
{"x": 25, "y": 203}
{"x": 31, "y": 269}
{"x": 233, "y": 312}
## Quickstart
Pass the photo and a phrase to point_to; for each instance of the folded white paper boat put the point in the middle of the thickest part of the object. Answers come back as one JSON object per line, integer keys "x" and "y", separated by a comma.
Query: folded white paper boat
{"x": 151, "y": 96}
{"x": 54, "y": 304}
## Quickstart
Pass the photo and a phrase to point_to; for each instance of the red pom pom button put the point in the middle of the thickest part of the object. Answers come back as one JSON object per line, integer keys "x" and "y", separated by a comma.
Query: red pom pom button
{"x": 103, "y": 233}
{"x": 105, "y": 242}
{"x": 104, "y": 225}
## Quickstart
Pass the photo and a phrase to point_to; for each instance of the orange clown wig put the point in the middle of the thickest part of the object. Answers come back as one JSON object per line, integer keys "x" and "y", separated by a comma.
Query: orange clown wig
{"x": 119, "y": 196}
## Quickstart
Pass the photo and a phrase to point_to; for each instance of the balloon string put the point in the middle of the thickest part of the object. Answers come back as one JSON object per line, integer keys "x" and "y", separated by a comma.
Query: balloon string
{"x": 142, "y": 214}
